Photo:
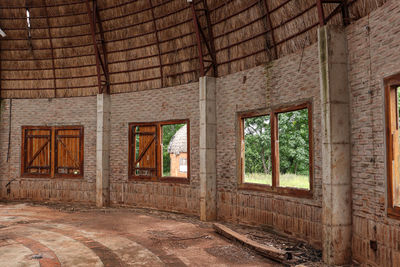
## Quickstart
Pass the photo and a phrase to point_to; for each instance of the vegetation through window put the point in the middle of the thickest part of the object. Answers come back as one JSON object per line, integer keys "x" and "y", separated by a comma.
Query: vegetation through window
{"x": 294, "y": 152}
{"x": 159, "y": 150}
{"x": 276, "y": 149}
{"x": 257, "y": 150}
{"x": 52, "y": 151}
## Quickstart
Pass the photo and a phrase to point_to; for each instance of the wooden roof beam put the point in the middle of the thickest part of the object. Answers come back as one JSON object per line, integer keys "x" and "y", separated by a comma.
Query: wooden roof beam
{"x": 198, "y": 40}
{"x": 200, "y": 35}
{"x": 211, "y": 49}
{"x": 342, "y": 6}
{"x": 100, "y": 65}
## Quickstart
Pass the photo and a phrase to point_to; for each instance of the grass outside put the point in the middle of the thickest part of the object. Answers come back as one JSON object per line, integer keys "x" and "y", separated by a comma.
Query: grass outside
{"x": 285, "y": 180}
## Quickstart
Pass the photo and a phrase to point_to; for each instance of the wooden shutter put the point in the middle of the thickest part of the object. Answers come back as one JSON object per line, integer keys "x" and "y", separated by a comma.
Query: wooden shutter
{"x": 36, "y": 151}
{"x": 68, "y": 151}
{"x": 143, "y": 153}
{"x": 394, "y": 140}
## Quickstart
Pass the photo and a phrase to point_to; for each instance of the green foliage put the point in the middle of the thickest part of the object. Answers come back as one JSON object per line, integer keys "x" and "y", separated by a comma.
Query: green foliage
{"x": 257, "y": 137}
{"x": 168, "y": 132}
{"x": 293, "y": 143}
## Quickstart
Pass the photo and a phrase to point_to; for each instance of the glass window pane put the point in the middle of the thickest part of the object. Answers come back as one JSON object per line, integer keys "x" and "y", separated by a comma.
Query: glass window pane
{"x": 174, "y": 150}
{"x": 257, "y": 150}
{"x": 294, "y": 149}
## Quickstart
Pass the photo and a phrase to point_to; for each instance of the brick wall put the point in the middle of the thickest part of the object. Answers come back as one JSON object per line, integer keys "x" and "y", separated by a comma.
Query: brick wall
{"x": 290, "y": 80}
{"x": 36, "y": 112}
{"x": 373, "y": 45}
{"x": 180, "y": 102}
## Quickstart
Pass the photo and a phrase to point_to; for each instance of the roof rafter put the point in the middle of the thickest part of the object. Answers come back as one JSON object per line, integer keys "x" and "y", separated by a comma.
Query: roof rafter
{"x": 94, "y": 19}
{"x": 342, "y": 6}
{"x": 201, "y": 37}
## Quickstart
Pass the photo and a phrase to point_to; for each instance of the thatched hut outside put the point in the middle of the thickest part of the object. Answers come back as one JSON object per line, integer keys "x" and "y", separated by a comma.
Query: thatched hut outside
{"x": 177, "y": 150}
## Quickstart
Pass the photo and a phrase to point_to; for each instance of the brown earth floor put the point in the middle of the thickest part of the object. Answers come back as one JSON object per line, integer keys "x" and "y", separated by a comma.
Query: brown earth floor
{"x": 72, "y": 235}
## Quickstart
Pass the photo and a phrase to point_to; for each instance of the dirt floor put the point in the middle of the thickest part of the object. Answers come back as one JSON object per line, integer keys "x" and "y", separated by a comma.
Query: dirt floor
{"x": 72, "y": 235}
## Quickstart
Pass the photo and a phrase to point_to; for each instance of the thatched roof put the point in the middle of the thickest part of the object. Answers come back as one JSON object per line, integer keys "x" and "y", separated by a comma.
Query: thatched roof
{"x": 178, "y": 143}
{"x": 149, "y": 43}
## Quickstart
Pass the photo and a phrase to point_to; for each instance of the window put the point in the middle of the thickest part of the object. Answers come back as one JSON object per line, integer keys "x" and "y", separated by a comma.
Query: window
{"x": 159, "y": 151}
{"x": 276, "y": 150}
{"x": 183, "y": 165}
{"x": 392, "y": 91}
{"x": 52, "y": 151}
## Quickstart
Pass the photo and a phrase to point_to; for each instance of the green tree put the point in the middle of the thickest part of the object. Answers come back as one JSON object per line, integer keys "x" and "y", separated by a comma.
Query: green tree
{"x": 257, "y": 131}
{"x": 294, "y": 142}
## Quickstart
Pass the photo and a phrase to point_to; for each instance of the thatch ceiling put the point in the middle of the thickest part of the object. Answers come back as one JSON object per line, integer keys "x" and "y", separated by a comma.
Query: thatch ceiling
{"x": 149, "y": 43}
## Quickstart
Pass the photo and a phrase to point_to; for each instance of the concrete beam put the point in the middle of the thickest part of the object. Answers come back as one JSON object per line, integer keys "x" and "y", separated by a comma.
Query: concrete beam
{"x": 103, "y": 150}
{"x": 336, "y": 176}
{"x": 208, "y": 137}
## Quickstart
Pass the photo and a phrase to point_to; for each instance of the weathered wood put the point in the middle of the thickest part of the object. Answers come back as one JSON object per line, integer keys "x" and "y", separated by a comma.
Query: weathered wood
{"x": 392, "y": 140}
{"x": 265, "y": 250}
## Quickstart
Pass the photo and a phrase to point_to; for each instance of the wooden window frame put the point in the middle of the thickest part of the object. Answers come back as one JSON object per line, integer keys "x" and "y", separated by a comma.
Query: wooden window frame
{"x": 53, "y": 152}
{"x": 390, "y": 83}
{"x": 274, "y": 188}
{"x": 158, "y": 177}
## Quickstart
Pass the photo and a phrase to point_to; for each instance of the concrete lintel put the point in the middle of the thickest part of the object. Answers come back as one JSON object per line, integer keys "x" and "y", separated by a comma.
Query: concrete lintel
{"x": 103, "y": 133}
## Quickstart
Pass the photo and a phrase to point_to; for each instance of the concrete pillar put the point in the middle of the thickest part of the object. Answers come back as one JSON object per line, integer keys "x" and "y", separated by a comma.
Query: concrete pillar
{"x": 103, "y": 150}
{"x": 208, "y": 137}
{"x": 336, "y": 176}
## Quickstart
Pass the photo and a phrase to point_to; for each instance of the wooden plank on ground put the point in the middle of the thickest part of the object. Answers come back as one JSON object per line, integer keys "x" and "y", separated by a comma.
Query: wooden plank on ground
{"x": 265, "y": 250}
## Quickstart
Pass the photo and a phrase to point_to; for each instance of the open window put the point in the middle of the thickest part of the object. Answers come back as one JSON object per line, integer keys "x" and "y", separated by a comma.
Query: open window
{"x": 276, "y": 150}
{"x": 159, "y": 151}
{"x": 52, "y": 151}
{"x": 392, "y": 95}
{"x": 256, "y": 150}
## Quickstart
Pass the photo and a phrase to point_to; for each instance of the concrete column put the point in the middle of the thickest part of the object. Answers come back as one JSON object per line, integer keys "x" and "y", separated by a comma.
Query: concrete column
{"x": 336, "y": 176}
{"x": 103, "y": 150}
{"x": 208, "y": 137}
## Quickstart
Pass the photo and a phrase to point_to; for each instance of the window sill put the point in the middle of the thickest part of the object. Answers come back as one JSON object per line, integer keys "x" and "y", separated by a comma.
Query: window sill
{"x": 175, "y": 180}
{"x": 285, "y": 191}
{"x": 32, "y": 176}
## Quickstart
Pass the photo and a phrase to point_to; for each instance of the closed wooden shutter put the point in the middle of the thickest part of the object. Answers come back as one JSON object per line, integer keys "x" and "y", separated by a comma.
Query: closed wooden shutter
{"x": 69, "y": 151}
{"x": 143, "y": 154}
{"x": 36, "y": 154}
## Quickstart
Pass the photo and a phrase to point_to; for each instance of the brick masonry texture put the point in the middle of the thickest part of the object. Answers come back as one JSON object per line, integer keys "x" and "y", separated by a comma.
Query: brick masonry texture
{"x": 373, "y": 46}
{"x": 53, "y": 112}
{"x": 288, "y": 81}
{"x": 173, "y": 103}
